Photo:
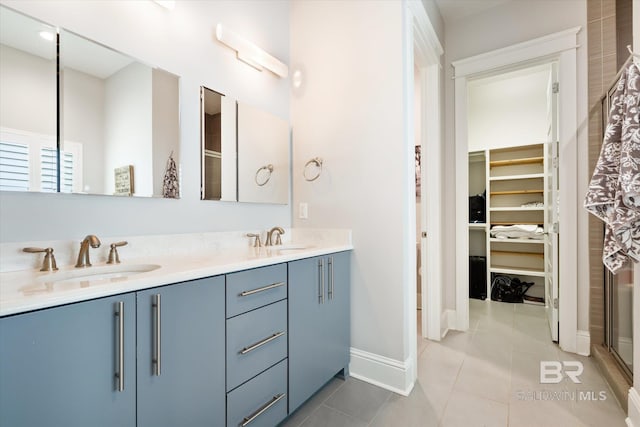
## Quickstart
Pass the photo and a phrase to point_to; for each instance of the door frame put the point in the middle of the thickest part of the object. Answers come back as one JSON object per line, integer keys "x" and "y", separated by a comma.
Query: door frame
{"x": 424, "y": 51}
{"x": 560, "y": 47}
{"x": 427, "y": 54}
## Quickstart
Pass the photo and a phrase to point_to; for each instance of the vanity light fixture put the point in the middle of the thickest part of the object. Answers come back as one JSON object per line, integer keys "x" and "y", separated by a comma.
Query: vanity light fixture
{"x": 167, "y": 4}
{"x": 250, "y": 53}
{"x": 47, "y": 35}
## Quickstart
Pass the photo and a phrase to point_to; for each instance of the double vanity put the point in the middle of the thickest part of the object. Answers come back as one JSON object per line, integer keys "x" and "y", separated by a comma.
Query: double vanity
{"x": 190, "y": 335}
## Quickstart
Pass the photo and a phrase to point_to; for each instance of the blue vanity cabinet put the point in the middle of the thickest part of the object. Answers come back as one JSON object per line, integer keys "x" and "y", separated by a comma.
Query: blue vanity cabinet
{"x": 61, "y": 366}
{"x": 181, "y": 354}
{"x": 256, "y": 362}
{"x": 319, "y": 323}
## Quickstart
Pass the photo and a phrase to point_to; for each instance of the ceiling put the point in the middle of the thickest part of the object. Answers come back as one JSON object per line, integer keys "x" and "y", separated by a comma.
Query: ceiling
{"x": 21, "y": 32}
{"x": 453, "y": 10}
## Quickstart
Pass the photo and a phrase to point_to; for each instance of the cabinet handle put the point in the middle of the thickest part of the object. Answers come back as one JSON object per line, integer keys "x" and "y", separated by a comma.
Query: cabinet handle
{"x": 321, "y": 280}
{"x": 275, "y": 399}
{"x": 330, "y": 292}
{"x": 261, "y": 343}
{"x": 157, "y": 335}
{"x": 119, "y": 313}
{"x": 264, "y": 288}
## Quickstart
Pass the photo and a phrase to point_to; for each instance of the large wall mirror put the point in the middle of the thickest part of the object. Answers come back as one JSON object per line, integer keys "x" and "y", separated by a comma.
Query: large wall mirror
{"x": 218, "y": 146}
{"x": 263, "y": 156}
{"x": 119, "y": 118}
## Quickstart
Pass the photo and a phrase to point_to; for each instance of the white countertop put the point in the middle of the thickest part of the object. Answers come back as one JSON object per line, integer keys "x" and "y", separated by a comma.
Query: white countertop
{"x": 26, "y": 290}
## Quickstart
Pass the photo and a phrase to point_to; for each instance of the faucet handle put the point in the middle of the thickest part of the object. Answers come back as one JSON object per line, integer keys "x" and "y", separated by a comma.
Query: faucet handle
{"x": 114, "y": 258}
{"x": 49, "y": 262}
{"x": 256, "y": 243}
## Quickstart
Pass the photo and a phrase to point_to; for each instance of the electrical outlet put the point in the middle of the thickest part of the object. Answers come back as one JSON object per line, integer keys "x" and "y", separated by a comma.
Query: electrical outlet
{"x": 303, "y": 211}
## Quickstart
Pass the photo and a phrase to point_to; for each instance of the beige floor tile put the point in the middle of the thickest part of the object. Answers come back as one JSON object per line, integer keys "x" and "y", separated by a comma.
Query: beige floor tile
{"x": 468, "y": 410}
{"x": 484, "y": 378}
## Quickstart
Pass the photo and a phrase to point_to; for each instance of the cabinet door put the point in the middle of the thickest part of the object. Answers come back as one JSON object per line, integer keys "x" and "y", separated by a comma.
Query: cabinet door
{"x": 307, "y": 371}
{"x": 319, "y": 323}
{"x": 189, "y": 389}
{"x": 337, "y": 317}
{"x": 58, "y": 366}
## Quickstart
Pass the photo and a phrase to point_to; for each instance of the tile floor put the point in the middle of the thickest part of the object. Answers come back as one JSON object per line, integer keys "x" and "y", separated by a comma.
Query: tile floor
{"x": 488, "y": 376}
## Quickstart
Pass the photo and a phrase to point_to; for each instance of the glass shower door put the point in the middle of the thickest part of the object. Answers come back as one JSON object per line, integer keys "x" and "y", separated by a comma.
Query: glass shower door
{"x": 619, "y": 290}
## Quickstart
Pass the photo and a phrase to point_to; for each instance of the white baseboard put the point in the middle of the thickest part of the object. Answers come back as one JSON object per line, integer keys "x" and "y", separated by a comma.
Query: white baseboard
{"x": 583, "y": 343}
{"x": 447, "y": 322}
{"x": 394, "y": 375}
{"x": 633, "y": 418}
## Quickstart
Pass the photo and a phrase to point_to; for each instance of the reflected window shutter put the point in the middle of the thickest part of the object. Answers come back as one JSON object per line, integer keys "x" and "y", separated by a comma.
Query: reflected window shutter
{"x": 48, "y": 175}
{"x": 14, "y": 167}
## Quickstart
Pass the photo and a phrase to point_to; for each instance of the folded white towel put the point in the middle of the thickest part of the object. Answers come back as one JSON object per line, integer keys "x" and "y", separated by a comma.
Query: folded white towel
{"x": 517, "y": 231}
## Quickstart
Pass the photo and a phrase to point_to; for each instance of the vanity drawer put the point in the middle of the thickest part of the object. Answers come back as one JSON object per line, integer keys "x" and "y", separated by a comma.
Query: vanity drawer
{"x": 255, "y": 341}
{"x": 250, "y": 289}
{"x": 261, "y": 402}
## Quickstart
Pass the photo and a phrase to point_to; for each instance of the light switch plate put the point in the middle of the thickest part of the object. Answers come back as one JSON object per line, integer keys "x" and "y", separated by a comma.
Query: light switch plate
{"x": 303, "y": 211}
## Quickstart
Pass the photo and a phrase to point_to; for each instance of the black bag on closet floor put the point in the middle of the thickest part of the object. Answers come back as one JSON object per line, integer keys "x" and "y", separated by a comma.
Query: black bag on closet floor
{"x": 508, "y": 289}
{"x": 477, "y": 208}
{"x": 478, "y": 277}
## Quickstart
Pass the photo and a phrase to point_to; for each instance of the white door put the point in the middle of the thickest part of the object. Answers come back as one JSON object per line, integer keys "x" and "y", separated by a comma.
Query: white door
{"x": 552, "y": 206}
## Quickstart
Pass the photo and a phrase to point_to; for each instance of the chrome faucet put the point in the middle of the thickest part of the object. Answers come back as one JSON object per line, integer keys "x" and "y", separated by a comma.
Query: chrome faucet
{"x": 279, "y": 232}
{"x": 83, "y": 255}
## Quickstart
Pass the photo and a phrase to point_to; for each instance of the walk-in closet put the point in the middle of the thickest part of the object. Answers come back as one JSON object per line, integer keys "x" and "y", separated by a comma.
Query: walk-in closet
{"x": 512, "y": 122}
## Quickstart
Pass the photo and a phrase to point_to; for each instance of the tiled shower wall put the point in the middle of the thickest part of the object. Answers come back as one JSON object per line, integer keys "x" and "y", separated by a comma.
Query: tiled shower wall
{"x": 601, "y": 39}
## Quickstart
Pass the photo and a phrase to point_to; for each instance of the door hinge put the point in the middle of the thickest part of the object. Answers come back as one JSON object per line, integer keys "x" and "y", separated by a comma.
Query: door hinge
{"x": 555, "y": 227}
{"x": 555, "y": 303}
{"x": 554, "y": 162}
{"x": 555, "y": 88}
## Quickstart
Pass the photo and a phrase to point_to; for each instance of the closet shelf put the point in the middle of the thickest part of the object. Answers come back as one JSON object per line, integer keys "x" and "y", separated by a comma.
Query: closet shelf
{"x": 512, "y": 192}
{"x": 516, "y": 209}
{"x": 516, "y": 177}
{"x": 477, "y": 225}
{"x": 514, "y": 162}
{"x": 517, "y": 253}
{"x": 516, "y": 222}
{"x": 534, "y": 241}
{"x": 517, "y": 271}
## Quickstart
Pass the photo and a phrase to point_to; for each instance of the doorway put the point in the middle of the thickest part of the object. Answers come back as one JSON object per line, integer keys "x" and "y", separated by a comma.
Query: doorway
{"x": 512, "y": 118}
{"x": 561, "y": 49}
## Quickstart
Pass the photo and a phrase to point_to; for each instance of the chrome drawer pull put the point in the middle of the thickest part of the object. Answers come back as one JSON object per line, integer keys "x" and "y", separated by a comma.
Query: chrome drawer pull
{"x": 330, "y": 292}
{"x": 321, "y": 281}
{"x": 157, "y": 336}
{"x": 119, "y": 314}
{"x": 248, "y": 420}
{"x": 261, "y": 343}
{"x": 264, "y": 288}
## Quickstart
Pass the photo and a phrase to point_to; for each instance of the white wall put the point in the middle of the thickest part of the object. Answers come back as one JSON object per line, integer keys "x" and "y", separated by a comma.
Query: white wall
{"x": 508, "y": 110}
{"x": 128, "y": 127}
{"x": 28, "y": 86}
{"x": 182, "y": 42}
{"x": 166, "y": 129}
{"x": 83, "y": 123}
{"x": 349, "y": 111}
{"x": 518, "y": 21}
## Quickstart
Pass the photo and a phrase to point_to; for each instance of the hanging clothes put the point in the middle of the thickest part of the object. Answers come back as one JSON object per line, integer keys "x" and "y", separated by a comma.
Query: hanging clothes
{"x": 170, "y": 189}
{"x": 614, "y": 191}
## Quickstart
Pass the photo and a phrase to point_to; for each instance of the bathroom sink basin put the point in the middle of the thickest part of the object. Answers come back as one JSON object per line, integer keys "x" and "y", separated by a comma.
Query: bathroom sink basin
{"x": 92, "y": 276}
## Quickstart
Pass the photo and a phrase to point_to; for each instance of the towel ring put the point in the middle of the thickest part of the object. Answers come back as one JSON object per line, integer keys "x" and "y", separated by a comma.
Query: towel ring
{"x": 269, "y": 169}
{"x": 315, "y": 161}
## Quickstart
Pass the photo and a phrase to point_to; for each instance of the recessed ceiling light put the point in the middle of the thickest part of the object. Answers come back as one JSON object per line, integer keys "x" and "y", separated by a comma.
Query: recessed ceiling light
{"x": 47, "y": 35}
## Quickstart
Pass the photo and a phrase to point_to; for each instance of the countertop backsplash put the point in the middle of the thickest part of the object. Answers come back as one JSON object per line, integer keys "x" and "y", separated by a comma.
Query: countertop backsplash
{"x": 12, "y": 258}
